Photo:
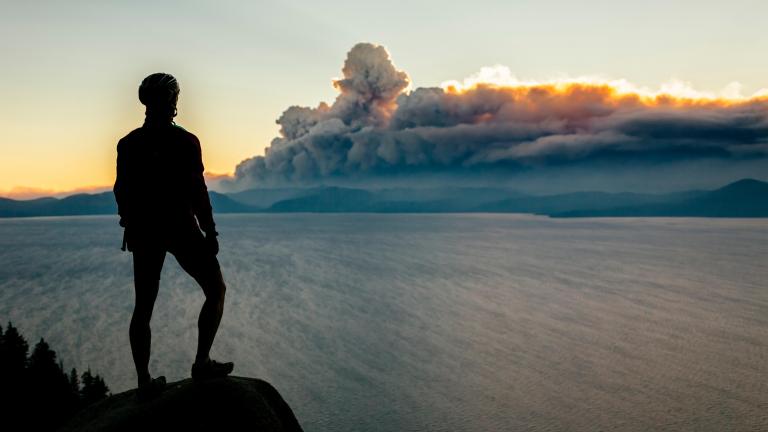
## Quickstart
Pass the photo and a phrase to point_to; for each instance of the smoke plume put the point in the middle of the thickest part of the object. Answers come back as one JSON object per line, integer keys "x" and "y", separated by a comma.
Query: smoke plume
{"x": 377, "y": 128}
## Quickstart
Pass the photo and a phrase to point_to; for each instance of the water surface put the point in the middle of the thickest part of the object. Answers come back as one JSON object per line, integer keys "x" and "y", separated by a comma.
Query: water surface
{"x": 434, "y": 322}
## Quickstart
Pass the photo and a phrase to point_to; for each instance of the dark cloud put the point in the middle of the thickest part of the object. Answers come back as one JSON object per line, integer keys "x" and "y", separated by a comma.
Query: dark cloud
{"x": 376, "y": 128}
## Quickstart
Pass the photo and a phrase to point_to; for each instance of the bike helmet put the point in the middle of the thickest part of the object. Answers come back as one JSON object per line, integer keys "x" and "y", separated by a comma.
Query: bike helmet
{"x": 159, "y": 90}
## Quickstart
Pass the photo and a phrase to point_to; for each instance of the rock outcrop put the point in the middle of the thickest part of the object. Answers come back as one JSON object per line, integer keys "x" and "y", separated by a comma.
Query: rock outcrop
{"x": 232, "y": 403}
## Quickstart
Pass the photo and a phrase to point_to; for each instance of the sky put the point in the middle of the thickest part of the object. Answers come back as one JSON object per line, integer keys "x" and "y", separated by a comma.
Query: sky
{"x": 70, "y": 70}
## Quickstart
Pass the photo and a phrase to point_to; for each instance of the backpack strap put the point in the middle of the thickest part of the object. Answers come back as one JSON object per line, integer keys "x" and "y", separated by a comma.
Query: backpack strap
{"x": 122, "y": 248}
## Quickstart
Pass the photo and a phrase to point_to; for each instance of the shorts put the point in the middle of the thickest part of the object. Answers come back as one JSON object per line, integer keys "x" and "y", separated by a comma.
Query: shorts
{"x": 188, "y": 247}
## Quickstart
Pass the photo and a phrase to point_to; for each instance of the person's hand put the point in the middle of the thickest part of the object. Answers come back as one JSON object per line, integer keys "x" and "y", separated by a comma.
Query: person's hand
{"x": 212, "y": 242}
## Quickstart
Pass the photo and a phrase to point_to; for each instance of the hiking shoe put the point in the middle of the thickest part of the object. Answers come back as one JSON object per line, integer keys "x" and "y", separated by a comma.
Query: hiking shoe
{"x": 211, "y": 369}
{"x": 150, "y": 389}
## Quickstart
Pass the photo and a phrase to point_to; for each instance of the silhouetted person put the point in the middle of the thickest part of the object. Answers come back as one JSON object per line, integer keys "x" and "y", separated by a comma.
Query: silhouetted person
{"x": 164, "y": 207}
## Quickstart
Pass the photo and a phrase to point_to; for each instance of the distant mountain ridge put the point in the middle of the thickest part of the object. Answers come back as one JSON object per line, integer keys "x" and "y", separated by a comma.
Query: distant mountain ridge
{"x": 95, "y": 204}
{"x": 743, "y": 198}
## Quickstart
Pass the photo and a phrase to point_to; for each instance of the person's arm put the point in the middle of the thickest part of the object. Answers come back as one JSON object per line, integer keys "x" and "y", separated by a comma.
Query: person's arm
{"x": 201, "y": 203}
{"x": 121, "y": 185}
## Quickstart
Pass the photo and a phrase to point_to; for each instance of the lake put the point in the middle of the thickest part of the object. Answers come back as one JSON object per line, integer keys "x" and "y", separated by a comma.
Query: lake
{"x": 450, "y": 322}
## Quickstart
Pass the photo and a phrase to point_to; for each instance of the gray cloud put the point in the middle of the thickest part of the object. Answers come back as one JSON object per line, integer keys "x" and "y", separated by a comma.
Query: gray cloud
{"x": 376, "y": 128}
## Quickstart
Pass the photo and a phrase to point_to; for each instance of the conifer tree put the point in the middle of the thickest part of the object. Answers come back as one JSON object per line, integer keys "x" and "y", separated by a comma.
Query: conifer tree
{"x": 74, "y": 382}
{"x": 14, "y": 396}
{"x": 35, "y": 391}
{"x": 43, "y": 360}
{"x": 50, "y": 387}
{"x": 13, "y": 359}
{"x": 101, "y": 391}
{"x": 87, "y": 380}
{"x": 94, "y": 389}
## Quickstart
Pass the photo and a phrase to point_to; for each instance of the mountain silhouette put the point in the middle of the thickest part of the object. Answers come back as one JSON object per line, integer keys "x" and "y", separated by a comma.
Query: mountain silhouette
{"x": 743, "y": 198}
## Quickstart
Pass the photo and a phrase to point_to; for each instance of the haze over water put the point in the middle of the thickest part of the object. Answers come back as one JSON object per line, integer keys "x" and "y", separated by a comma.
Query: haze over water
{"x": 433, "y": 322}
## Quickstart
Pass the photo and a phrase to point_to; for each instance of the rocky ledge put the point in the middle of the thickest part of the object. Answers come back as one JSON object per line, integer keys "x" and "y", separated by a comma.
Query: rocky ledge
{"x": 232, "y": 403}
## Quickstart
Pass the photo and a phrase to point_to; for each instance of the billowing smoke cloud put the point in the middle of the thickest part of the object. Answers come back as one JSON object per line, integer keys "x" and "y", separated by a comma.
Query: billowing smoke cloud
{"x": 376, "y": 128}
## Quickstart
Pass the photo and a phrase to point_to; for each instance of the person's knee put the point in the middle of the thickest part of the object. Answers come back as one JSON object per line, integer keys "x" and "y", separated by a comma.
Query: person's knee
{"x": 214, "y": 290}
{"x": 142, "y": 313}
{"x": 139, "y": 325}
{"x": 146, "y": 288}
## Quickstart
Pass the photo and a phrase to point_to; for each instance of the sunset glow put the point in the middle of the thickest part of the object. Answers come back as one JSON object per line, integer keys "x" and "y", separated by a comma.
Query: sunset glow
{"x": 675, "y": 93}
{"x": 71, "y": 70}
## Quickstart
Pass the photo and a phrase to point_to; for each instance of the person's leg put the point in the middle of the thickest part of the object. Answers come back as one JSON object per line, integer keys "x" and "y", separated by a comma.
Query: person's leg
{"x": 211, "y": 313}
{"x": 147, "y": 264}
{"x": 195, "y": 258}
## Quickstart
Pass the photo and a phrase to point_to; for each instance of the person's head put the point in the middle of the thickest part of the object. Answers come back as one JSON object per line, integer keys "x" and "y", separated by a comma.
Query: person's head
{"x": 159, "y": 92}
